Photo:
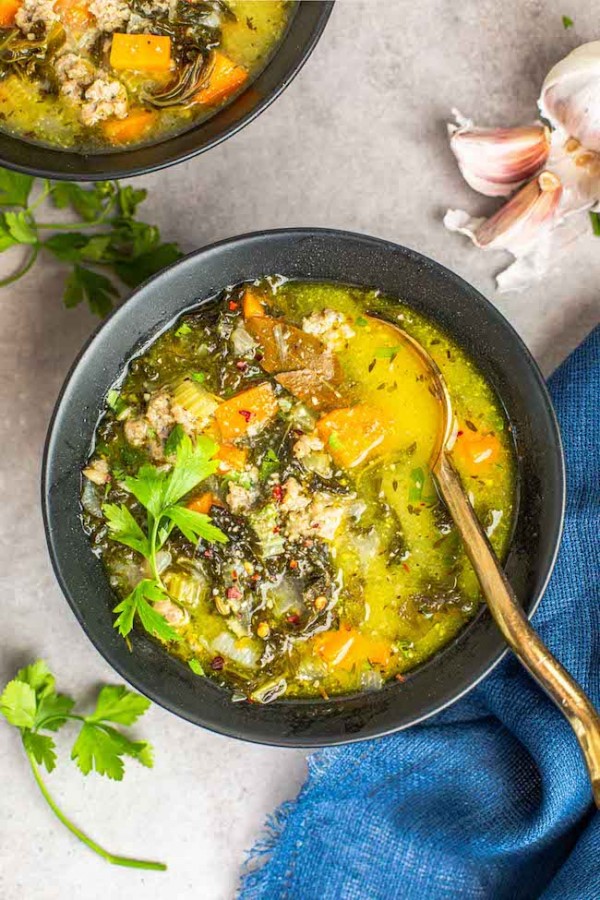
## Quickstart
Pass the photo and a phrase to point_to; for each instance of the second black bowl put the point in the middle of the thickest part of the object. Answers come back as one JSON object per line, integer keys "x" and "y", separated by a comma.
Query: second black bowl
{"x": 324, "y": 256}
{"x": 304, "y": 30}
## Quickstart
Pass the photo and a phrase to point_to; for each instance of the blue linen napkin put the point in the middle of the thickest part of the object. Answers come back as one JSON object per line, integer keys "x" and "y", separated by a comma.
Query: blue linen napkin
{"x": 489, "y": 799}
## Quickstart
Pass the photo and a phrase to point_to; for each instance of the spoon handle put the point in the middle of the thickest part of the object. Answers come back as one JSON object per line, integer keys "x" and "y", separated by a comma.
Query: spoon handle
{"x": 514, "y": 625}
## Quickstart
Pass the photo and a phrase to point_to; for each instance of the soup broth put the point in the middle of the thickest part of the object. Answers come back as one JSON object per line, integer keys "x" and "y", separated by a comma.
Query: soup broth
{"x": 99, "y": 75}
{"x": 336, "y": 566}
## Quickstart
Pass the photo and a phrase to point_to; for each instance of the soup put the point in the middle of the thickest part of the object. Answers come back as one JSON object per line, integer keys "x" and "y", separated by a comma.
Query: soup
{"x": 95, "y": 75}
{"x": 260, "y": 493}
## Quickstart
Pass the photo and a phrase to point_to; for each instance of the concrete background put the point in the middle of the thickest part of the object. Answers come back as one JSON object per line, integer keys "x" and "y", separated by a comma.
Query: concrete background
{"x": 358, "y": 142}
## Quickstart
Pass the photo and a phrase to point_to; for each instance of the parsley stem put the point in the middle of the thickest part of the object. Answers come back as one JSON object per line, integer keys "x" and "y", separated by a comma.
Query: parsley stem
{"x": 70, "y": 226}
{"x": 109, "y": 857}
{"x": 47, "y": 190}
{"x": 153, "y": 563}
{"x": 23, "y": 270}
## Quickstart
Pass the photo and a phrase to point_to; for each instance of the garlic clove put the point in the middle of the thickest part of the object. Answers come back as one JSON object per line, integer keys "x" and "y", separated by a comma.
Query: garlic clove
{"x": 518, "y": 223}
{"x": 496, "y": 161}
{"x": 570, "y": 97}
{"x": 579, "y": 172}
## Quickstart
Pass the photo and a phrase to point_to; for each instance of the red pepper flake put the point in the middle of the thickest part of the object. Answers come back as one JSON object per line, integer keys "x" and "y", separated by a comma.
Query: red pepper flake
{"x": 293, "y": 619}
{"x": 256, "y": 577}
{"x": 217, "y": 663}
{"x": 245, "y": 414}
{"x": 234, "y": 575}
{"x": 293, "y": 563}
{"x": 208, "y": 554}
{"x": 278, "y": 493}
{"x": 406, "y": 567}
{"x": 399, "y": 677}
{"x": 276, "y": 530}
{"x": 242, "y": 365}
{"x": 233, "y": 594}
{"x": 459, "y": 433}
{"x": 233, "y": 305}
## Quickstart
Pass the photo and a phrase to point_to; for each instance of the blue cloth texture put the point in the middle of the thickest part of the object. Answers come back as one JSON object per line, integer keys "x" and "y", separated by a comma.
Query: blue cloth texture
{"x": 488, "y": 800}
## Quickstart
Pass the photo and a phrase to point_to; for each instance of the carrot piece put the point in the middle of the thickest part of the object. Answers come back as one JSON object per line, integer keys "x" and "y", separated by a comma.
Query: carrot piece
{"x": 8, "y": 11}
{"x": 231, "y": 457}
{"x": 74, "y": 14}
{"x": 476, "y": 451}
{"x": 246, "y": 412}
{"x": 352, "y": 434}
{"x": 204, "y": 502}
{"x": 225, "y": 78}
{"x": 347, "y": 647}
{"x": 252, "y": 305}
{"x": 142, "y": 52}
{"x": 134, "y": 127}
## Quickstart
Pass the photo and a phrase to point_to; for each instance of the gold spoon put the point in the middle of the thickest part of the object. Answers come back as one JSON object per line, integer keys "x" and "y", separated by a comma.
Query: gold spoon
{"x": 514, "y": 625}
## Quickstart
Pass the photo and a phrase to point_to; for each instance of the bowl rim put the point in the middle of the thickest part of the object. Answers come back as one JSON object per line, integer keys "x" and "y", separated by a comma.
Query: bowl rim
{"x": 299, "y": 57}
{"x": 122, "y": 312}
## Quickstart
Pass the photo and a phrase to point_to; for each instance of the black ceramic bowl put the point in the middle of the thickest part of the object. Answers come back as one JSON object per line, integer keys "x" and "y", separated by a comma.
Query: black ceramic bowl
{"x": 320, "y": 255}
{"x": 304, "y": 30}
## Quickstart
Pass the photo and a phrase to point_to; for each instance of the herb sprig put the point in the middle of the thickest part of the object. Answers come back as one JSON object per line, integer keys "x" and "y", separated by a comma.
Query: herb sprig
{"x": 108, "y": 236}
{"x": 159, "y": 492}
{"x": 31, "y": 703}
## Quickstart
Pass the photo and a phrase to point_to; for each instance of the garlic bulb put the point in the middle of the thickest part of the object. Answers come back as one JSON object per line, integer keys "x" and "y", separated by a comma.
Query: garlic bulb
{"x": 570, "y": 97}
{"x": 549, "y": 212}
{"x": 496, "y": 161}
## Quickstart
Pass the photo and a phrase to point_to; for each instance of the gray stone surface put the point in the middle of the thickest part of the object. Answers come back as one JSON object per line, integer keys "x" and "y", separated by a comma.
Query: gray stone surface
{"x": 357, "y": 142}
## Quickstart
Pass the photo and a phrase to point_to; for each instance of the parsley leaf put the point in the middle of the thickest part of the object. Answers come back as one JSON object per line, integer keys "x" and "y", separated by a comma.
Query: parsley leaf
{"x": 42, "y": 749}
{"x": 136, "y": 603}
{"x": 387, "y": 352}
{"x": 194, "y": 525}
{"x": 14, "y": 188}
{"x": 18, "y": 704}
{"x": 595, "y": 220}
{"x": 270, "y": 463}
{"x": 129, "y": 200}
{"x": 124, "y": 528}
{"x": 84, "y": 284}
{"x": 196, "y": 667}
{"x": 21, "y": 227}
{"x": 567, "y": 22}
{"x": 193, "y": 463}
{"x": 334, "y": 441}
{"x": 117, "y": 704}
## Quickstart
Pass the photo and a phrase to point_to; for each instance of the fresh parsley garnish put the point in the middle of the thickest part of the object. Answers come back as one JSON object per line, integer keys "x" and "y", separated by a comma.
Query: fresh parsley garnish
{"x": 387, "y": 352}
{"x": 595, "y": 220}
{"x": 270, "y": 463}
{"x": 159, "y": 492}
{"x": 334, "y": 441}
{"x": 183, "y": 330}
{"x": 31, "y": 703}
{"x": 116, "y": 241}
{"x": 567, "y": 22}
{"x": 195, "y": 667}
{"x": 200, "y": 377}
{"x": 361, "y": 322}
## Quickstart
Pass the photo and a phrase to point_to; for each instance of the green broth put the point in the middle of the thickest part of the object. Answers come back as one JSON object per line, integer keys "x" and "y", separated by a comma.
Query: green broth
{"x": 343, "y": 569}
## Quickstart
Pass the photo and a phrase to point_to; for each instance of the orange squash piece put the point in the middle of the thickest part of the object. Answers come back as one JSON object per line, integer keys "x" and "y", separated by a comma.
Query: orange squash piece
{"x": 8, "y": 11}
{"x": 137, "y": 124}
{"x": 247, "y": 412}
{"x": 475, "y": 451}
{"x": 141, "y": 52}
{"x": 224, "y": 80}
{"x": 204, "y": 503}
{"x": 252, "y": 305}
{"x": 351, "y": 435}
{"x": 74, "y": 15}
{"x": 347, "y": 647}
{"x": 231, "y": 457}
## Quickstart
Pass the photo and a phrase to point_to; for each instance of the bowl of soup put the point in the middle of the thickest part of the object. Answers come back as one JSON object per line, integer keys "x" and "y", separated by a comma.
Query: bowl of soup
{"x": 237, "y": 493}
{"x": 92, "y": 89}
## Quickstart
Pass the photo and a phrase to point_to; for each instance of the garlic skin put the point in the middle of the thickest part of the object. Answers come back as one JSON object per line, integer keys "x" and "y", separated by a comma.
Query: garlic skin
{"x": 570, "y": 97}
{"x": 496, "y": 161}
